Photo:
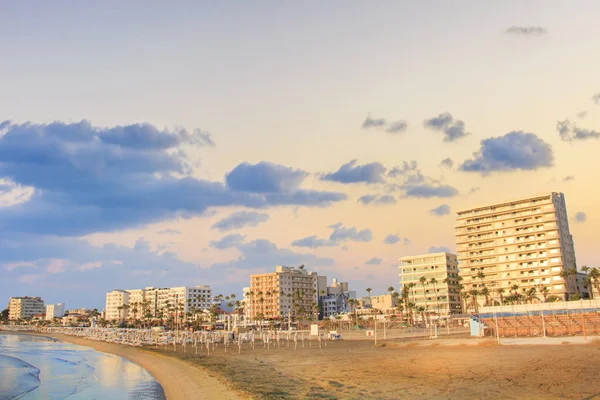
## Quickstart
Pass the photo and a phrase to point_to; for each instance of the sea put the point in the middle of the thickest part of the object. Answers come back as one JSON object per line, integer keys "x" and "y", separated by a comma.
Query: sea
{"x": 34, "y": 367}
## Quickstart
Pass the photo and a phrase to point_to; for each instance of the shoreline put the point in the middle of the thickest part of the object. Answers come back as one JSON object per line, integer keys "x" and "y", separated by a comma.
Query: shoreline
{"x": 180, "y": 380}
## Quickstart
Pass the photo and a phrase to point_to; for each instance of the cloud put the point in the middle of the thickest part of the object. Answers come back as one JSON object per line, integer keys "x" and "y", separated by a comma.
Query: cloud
{"x": 86, "y": 179}
{"x": 169, "y": 231}
{"x": 426, "y": 190}
{"x": 407, "y": 168}
{"x": 240, "y": 219}
{"x": 353, "y": 173}
{"x": 375, "y": 199}
{"x": 414, "y": 184}
{"x": 444, "y": 209}
{"x": 474, "y": 190}
{"x": 447, "y": 162}
{"x": 583, "y": 114}
{"x": 515, "y": 151}
{"x": 568, "y": 178}
{"x": 380, "y": 123}
{"x": 526, "y": 30}
{"x": 228, "y": 241}
{"x": 262, "y": 253}
{"x": 374, "y": 261}
{"x": 596, "y": 98}
{"x": 397, "y": 127}
{"x": 452, "y": 129}
{"x": 393, "y": 239}
{"x": 339, "y": 235}
{"x": 373, "y": 123}
{"x": 264, "y": 177}
{"x": 313, "y": 242}
{"x": 568, "y": 131}
{"x": 580, "y": 217}
{"x": 438, "y": 249}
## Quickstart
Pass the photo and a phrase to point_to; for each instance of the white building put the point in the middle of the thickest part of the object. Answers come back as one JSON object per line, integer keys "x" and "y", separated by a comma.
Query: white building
{"x": 153, "y": 302}
{"x": 55, "y": 311}
{"x": 115, "y": 303}
{"x": 25, "y": 307}
{"x": 524, "y": 243}
{"x": 333, "y": 300}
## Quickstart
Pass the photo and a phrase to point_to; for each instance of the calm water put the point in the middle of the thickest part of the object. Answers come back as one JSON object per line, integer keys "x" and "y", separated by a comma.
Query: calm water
{"x": 41, "y": 368}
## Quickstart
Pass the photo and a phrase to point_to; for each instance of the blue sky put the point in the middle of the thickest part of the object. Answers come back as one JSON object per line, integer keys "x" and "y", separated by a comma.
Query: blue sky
{"x": 155, "y": 144}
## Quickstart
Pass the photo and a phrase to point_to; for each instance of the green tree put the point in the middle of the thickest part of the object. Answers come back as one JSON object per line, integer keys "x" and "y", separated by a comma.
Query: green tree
{"x": 4, "y": 315}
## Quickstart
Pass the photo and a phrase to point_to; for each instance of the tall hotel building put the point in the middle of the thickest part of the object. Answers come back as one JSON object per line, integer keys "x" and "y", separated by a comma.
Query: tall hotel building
{"x": 523, "y": 242}
{"x": 440, "y": 297}
{"x": 274, "y": 294}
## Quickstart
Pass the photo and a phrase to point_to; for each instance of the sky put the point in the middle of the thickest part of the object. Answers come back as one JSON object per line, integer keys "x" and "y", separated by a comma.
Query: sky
{"x": 197, "y": 142}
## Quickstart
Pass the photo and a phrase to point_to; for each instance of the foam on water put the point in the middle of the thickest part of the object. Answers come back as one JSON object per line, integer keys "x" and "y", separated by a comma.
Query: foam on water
{"x": 33, "y": 367}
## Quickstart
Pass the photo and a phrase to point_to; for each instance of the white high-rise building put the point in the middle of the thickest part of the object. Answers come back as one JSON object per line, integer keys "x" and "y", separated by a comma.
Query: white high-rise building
{"x": 524, "y": 243}
{"x": 55, "y": 311}
{"x": 25, "y": 307}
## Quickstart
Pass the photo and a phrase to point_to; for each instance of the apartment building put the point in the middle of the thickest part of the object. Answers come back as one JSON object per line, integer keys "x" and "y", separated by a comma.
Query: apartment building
{"x": 25, "y": 307}
{"x": 55, "y": 311}
{"x": 333, "y": 300}
{"x": 286, "y": 292}
{"x": 115, "y": 301}
{"x": 153, "y": 302}
{"x": 439, "y": 292}
{"x": 524, "y": 242}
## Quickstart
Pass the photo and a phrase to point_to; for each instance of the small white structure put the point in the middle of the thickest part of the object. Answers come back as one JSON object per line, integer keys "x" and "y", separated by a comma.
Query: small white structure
{"x": 55, "y": 311}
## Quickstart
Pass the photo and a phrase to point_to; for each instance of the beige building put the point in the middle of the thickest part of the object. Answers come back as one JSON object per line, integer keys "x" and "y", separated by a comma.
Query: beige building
{"x": 524, "y": 242}
{"x": 440, "y": 296}
{"x": 25, "y": 307}
{"x": 154, "y": 302}
{"x": 286, "y": 292}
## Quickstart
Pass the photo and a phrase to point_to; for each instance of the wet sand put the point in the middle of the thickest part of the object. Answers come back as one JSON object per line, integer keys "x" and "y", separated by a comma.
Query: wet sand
{"x": 424, "y": 370}
{"x": 179, "y": 379}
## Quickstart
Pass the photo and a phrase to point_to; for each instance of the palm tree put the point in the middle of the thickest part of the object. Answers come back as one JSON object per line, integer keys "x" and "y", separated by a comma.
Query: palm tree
{"x": 545, "y": 291}
{"x": 500, "y": 292}
{"x": 530, "y": 295}
{"x": 433, "y": 281}
{"x": 515, "y": 289}
{"x": 480, "y": 275}
{"x": 486, "y": 292}
{"x": 423, "y": 281}
{"x": 465, "y": 297}
{"x": 595, "y": 275}
{"x": 474, "y": 293}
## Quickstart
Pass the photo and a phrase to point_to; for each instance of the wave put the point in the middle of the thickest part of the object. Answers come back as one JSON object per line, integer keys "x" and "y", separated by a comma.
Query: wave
{"x": 17, "y": 377}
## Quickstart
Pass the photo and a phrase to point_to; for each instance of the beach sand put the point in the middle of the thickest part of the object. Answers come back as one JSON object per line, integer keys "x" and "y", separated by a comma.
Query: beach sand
{"x": 469, "y": 369}
{"x": 179, "y": 379}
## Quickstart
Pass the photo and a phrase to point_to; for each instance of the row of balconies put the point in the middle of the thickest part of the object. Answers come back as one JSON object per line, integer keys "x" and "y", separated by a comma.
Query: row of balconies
{"x": 547, "y": 215}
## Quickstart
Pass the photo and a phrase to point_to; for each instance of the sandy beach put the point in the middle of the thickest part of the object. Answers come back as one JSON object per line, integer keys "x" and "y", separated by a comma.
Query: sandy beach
{"x": 424, "y": 369}
{"x": 179, "y": 379}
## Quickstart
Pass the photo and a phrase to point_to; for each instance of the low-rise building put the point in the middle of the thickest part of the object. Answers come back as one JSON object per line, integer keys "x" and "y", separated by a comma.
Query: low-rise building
{"x": 55, "y": 311}
{"x": 334, "y": 299}
{"x": 25, "y": 307}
